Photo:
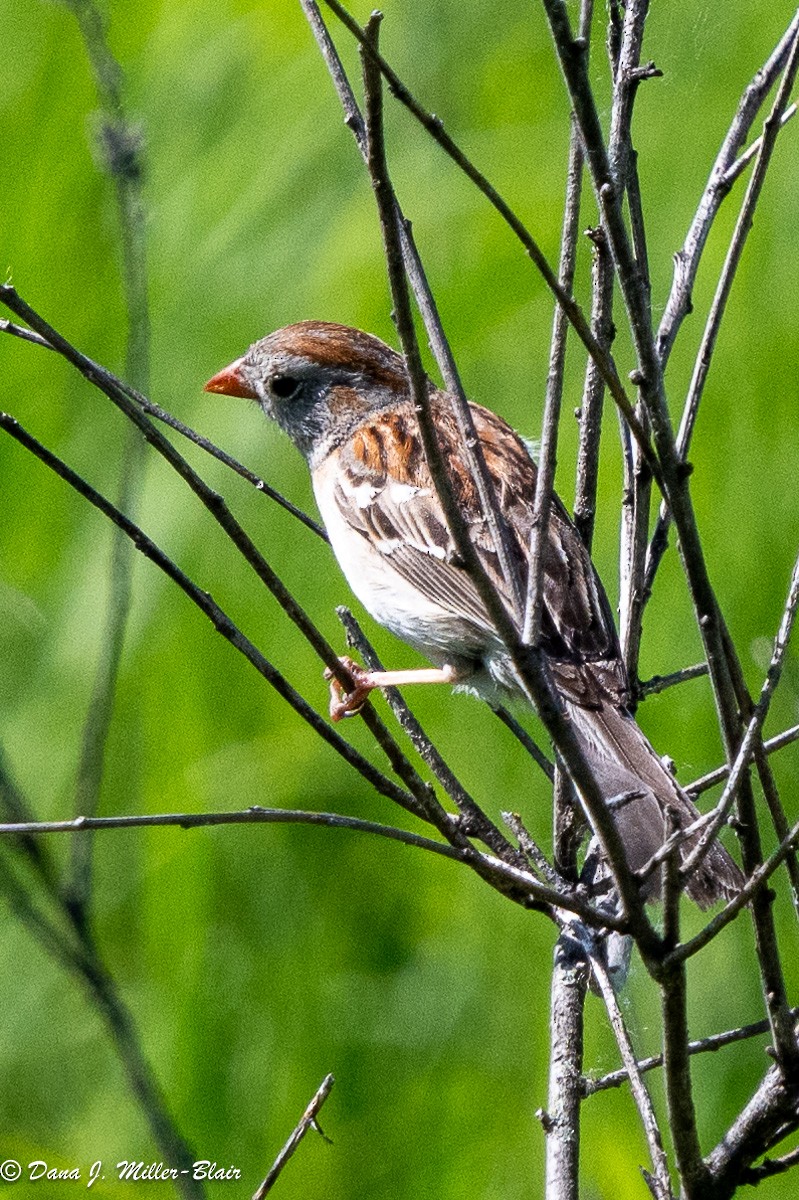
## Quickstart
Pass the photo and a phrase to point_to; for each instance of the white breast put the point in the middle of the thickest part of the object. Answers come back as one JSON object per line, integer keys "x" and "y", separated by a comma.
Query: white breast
{"x": 385, "y": 594}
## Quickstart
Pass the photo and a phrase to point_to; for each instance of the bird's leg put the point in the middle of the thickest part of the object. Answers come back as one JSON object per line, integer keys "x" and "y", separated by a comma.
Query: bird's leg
{"x": 349, "y": 704}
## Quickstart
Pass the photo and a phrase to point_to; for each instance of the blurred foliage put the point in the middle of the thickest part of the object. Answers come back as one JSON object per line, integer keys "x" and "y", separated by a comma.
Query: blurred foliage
{"x": 257, "y": 959}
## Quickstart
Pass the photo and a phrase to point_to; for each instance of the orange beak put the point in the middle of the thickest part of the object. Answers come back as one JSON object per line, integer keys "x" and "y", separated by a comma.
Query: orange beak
{"x": 231, "y": 382}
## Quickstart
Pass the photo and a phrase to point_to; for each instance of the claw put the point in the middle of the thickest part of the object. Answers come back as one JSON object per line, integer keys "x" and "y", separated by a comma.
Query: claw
{"x": 349, "y": 704}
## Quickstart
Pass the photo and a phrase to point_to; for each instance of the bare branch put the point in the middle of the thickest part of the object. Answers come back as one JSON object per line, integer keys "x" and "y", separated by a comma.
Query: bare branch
{"x": 519, "y": 884}
{"x": 215, "y": 614}
{"x": 307, "y": 1121}
{"x": 771, "y": 129}
{"x": 771, "y": 1167}
{"x": 721, "y": 773}
{"x": 155, "y": 410}
{"x": 566, "y": 1024}
{"x": 694, "y": 1175}
{"x": 710, "y": 1044}
{"x": 741, "y": 163}
{"x": 661, "y": 1181}
{"x": 718, "y": 816}
{"x": 744, "y": 223}
{"x": 547, "y": 455}
{"x": 660, "y": 683}
{"x": 637, "y": 479}
{"x": 753, "y": 886}
{"x": 533, "y": 852}
{"x": 771, "y": 1111}
{"x": 524, "y": 739}
{"x": 594, "y": 389}
{"x": 686, "y": 261}
{"x": 475, "y": 820}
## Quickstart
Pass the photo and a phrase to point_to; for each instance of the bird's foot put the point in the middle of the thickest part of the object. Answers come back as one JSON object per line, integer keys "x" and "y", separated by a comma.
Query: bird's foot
{"x": 349, "y": 704}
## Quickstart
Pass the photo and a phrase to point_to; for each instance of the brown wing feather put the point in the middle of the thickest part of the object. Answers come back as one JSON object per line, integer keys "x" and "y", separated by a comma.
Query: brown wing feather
{"x": 577, "y": 628}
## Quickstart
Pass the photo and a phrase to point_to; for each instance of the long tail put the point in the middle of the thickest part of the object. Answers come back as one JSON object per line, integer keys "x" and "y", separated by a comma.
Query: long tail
{"x": 623, "y": 761}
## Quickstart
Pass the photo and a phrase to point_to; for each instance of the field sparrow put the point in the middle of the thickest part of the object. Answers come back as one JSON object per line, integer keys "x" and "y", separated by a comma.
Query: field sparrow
{"x": 342, "y": 396}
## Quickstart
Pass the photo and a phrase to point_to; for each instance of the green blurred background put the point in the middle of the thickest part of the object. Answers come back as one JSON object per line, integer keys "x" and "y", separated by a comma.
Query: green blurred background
{"x": 256, "y": 959}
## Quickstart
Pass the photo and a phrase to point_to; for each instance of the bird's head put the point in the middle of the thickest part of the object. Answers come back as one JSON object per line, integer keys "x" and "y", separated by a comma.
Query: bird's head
{"x": 318, "y": 381}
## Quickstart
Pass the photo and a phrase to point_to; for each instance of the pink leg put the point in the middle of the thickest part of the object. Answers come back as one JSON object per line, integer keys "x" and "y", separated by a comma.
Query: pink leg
{"x": 349, "y": 704}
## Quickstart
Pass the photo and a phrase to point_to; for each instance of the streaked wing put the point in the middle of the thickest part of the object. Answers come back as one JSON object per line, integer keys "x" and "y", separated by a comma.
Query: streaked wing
{"x": 386, "y": 494}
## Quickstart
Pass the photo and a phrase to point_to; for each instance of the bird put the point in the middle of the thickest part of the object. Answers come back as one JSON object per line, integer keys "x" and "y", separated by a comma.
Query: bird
{"x": 343, "y": 398}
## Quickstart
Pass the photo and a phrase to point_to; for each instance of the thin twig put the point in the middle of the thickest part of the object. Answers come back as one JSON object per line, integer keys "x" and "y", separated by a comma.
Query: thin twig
{"x": 686, "y": 260}
{"x": 743, "y": 225}
{"x": 524, "y": 739}
{"x": 475, "y": 820}
{"x": 547, "y": 454}
{"x": 73, "y": 948}
{"x": 742, "y": 162}
{"x": 718, "y": 816}
{"x": 594, "y": 389}
{"x": 753, "y": 886}
{"x": 660, "y": 683}
{"x": 520, "y": 885}
{"x": 121, "y": 150}
{"x": 771, "y": 1167}
{"x": 706, "y": 1045}
{"x": 721, "y": 773}
{"x": 166, "y": 418}
{"x": 637, "y": 479}
{"x": 637, "y": 1086}
{"x": 215, "y": 614}
{"x": 532, "y": 851}
{"x": 307, "y": 1121}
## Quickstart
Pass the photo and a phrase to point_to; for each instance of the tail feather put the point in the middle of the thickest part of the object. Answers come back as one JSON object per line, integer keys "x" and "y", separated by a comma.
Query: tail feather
{"x": 623, "y": 761}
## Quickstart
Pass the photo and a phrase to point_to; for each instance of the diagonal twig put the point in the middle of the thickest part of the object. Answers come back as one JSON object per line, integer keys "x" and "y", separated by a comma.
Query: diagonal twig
{"x": 718, "y": 306}
{"x": 661, "y": 1181}
{"x": 307, "y": 1121}
{"x": 687, "y": 258}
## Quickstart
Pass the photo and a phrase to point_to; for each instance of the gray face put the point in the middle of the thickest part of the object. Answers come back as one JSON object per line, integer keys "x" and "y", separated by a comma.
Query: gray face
{"x": 318, "y": 381}
{"x": 293, "y": 391}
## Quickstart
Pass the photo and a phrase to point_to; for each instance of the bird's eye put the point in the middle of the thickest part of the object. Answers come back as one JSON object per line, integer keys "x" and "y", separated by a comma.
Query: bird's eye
{"x": 285, "y": 386}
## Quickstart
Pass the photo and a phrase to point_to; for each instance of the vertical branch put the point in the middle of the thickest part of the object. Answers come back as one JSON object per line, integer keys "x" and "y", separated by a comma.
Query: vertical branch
{"x": 547, "y": 460}
{"x": 594, "y": 390}
{"x": 627, "y": 75}
{"x": 442, "y": 352}
{"x": 694, "y": 1174}
{"x": 567, "y": 821}
{"x": 562, "y": 1125}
